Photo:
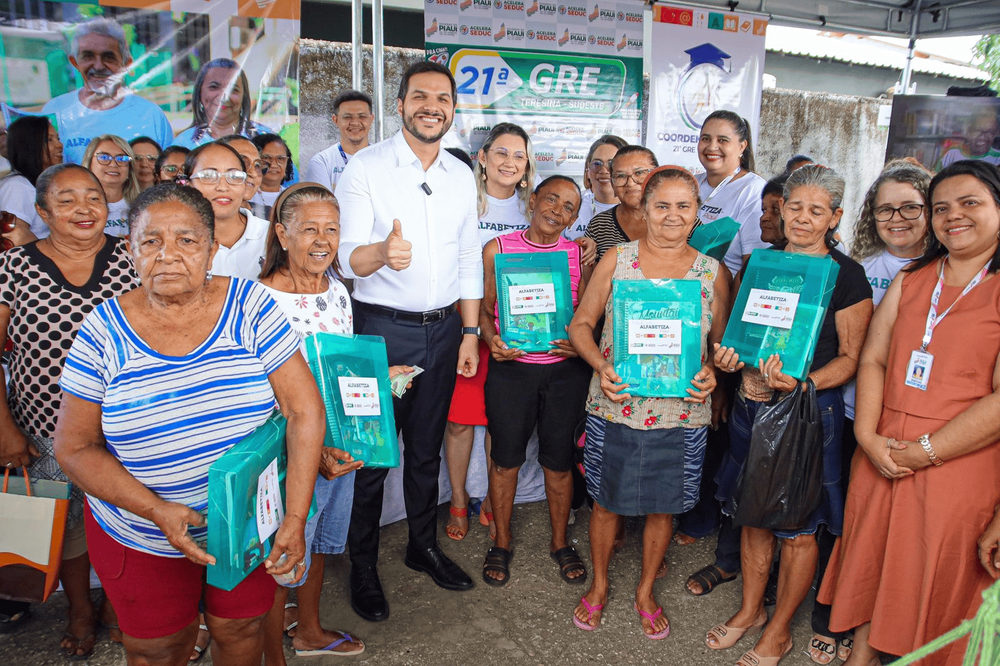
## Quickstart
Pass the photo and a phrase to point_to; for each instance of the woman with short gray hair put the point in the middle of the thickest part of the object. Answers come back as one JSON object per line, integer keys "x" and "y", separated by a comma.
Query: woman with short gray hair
{"x": 811, "y": 209}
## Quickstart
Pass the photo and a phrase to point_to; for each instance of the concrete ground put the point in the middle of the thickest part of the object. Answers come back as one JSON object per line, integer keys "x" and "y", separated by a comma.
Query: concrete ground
{"x": 528, "y": 622}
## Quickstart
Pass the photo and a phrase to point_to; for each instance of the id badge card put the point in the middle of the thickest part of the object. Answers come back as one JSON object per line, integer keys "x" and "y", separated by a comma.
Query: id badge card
{"x": 918, "y": 370}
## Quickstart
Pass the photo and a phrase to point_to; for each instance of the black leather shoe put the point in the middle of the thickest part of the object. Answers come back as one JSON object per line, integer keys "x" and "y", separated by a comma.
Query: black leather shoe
{"x": 367, "y": 597}
{"x": 442, "y": 570}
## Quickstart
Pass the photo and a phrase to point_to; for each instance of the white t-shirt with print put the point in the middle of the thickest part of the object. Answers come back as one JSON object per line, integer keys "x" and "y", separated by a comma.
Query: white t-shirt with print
{"x": 326, "y": 166}
{"x": 589, "y": 207}
{"x": 117, "y": 219}
{"x": 880, "y": 270}
{"x": 503, "y": 216}
{"x": 740, "y": 200}
{"x": 17, "y": 196}
{"x": 329, "y": 312}
{"x": 246, "y": 257}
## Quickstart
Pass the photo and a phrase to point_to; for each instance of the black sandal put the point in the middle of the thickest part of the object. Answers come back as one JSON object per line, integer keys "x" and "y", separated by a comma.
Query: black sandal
{"x": 569, "y": 560}
{"x": 497, "y": 561}
{"x": 709, "y": 578}
{"x": 821, "y": 646}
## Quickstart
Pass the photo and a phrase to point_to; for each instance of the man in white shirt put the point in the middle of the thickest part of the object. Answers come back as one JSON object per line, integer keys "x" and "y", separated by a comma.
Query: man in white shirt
{"x": 410, "y": 241}
{"x": 352, "y": 114}
{"x": 103, "y": 105}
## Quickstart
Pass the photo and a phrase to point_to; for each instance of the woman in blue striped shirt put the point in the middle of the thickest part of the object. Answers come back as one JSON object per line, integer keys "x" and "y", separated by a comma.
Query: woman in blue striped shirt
{"x": 158, "y": 385}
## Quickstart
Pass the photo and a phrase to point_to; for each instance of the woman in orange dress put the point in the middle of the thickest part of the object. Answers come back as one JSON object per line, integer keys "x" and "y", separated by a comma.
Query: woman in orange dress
{"x": 924, "y": 480}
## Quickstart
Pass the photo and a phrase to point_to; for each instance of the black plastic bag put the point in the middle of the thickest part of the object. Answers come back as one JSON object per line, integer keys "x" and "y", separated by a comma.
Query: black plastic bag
{"x": 781, "y": 483}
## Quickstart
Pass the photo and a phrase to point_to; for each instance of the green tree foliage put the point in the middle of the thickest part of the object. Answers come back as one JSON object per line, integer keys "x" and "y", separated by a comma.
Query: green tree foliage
{"x": 987, "y": 51}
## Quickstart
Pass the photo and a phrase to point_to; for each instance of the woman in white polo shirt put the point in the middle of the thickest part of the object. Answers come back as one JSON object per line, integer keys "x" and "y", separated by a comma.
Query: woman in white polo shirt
{"x": 216, "y": 170}
{"x": 729, "y": 187}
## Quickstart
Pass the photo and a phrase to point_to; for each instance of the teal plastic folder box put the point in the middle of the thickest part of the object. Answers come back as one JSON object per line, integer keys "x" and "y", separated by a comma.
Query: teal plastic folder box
{"x": 780, "y": 307}
{"x": 534, "y": 299}
{"x": 246, "y": 500}
{"x": 657, "y": 335}
{"x": 353, "y": 377}
{"x": 715, "y": 238}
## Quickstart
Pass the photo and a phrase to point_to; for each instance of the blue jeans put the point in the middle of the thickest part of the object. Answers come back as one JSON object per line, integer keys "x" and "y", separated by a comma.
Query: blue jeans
{"x": 326, "y": 531}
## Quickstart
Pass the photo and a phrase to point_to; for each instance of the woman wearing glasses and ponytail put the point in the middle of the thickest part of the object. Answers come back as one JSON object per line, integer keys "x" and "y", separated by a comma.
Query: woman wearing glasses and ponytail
{"x": 216, "y": 170}
{"x": 111, "y": 159}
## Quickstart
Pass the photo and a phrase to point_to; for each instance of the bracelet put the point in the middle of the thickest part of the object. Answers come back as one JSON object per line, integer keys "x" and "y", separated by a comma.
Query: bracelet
{"x": 925, "y": 442}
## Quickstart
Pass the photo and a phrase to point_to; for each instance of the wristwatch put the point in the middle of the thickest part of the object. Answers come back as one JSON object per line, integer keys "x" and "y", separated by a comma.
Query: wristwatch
{"x": 470, "y": 330}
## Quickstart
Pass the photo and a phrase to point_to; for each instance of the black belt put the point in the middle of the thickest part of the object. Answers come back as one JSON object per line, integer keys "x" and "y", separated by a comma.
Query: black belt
{"x": 422, "y": 318}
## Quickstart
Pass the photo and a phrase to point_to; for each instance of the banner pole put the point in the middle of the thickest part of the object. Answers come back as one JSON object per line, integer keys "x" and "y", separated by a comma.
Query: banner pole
{"x": 357, "y": 44}
{"x": 378, "y": 78}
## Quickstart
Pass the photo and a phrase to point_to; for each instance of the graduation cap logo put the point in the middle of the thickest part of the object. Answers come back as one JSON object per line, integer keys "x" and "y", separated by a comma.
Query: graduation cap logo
{"x": 702, "y": 87}
{"x": 709, "y": 54}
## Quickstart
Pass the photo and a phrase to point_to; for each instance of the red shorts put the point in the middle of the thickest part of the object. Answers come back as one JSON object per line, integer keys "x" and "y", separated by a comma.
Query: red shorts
{"x": 158, "y": 596}
{"x": 468, "y": 402}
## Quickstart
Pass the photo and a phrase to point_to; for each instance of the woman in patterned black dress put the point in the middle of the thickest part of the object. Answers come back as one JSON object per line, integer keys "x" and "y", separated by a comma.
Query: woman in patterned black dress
{"x": 47, "y": 288}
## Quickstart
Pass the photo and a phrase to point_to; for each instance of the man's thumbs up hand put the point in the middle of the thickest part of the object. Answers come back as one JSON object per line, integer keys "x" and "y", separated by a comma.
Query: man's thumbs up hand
{"x": 395, "y": 249}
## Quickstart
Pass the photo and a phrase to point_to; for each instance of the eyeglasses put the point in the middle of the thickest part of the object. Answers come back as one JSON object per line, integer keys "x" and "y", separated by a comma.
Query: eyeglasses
{"x": 637, "y": 177}
{"x": 277, "y": 159}
{"x": 211, "y": 176}
{"x": 597, "y": 165}
{"x": 170, "y": 169}
{"x": 504, "y": 154}
{"x": 259, "y": 166}
{"x": 907, "y": 212}
{"x": 104, "y": 159}
{"x": 147, "y": 158}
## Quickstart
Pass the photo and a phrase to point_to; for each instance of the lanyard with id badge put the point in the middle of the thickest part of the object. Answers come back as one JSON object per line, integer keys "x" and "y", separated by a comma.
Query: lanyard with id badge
{"x": 918, "y": 370}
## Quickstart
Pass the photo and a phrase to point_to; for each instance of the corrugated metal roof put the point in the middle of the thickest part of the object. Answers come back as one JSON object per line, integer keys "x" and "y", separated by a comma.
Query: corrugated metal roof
{"x": 862, "y": 50}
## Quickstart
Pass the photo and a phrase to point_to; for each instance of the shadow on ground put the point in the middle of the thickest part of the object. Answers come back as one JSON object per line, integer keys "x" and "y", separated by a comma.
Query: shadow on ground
{"x": 528, "y": 622}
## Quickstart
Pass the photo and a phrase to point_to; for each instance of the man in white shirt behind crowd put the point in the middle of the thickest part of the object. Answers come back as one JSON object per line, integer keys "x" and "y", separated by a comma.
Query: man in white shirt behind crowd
{"x": 99, "y": 51}
{"x": 410, "y": 241}
{"x": 352, "y": 114}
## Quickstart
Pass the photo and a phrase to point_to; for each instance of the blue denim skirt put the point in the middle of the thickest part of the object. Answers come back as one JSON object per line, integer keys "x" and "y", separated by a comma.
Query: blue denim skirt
{"x": 639, "y": 472}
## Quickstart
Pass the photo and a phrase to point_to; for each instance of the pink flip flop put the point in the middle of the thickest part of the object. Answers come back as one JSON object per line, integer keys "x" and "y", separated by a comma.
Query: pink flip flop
{"x": 586, "y": 626}
{"x": 659, "y": 636}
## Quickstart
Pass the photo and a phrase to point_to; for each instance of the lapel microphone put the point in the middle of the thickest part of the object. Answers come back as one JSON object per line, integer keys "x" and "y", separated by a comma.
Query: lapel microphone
{"x": 426, "y": 188}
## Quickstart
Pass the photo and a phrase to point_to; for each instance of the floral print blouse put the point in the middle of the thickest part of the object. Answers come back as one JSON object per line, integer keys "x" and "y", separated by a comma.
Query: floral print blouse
{"x": 641, "y": 413}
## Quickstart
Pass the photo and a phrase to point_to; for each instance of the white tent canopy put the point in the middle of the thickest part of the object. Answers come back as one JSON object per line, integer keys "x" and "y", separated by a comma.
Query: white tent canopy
{"x": 899, "y": 18}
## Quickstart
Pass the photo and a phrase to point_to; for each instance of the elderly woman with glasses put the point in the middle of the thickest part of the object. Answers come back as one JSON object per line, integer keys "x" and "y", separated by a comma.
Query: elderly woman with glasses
{"x": 216, "y": 170}
{"x": 111, "y": 159}
{"x": 625, "y": 222}
{"x": 274, "y": 152}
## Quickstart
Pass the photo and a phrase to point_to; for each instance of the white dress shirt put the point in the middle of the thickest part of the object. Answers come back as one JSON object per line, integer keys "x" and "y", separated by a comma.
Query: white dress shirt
{"x": 246, "y": 257}
{"x": 383, "y": 183}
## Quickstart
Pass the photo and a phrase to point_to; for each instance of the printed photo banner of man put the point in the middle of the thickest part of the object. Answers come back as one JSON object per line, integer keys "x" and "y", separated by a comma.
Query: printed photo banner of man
{"x": 938, "y": 131}
{"x": 154, "y": 69}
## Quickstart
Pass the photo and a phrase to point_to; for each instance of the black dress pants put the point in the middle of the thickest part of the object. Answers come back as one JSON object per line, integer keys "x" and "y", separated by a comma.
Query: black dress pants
{"x": 421, "y": 414}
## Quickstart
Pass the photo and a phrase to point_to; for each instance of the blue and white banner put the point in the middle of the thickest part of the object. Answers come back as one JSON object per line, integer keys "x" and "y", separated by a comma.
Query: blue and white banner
{"x": 703, "y": 61}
